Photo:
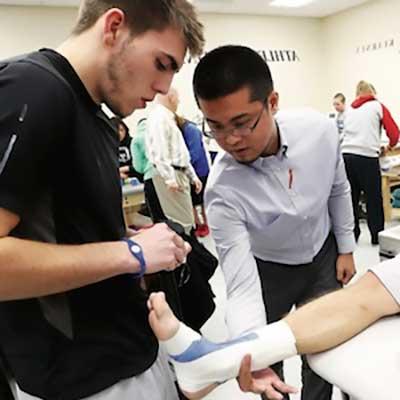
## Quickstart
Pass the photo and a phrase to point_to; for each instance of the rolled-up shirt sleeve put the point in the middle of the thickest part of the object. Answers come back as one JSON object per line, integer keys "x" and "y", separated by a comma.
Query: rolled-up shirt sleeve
{"x": 245, "y": 306}
{"x": 340, "y": 207}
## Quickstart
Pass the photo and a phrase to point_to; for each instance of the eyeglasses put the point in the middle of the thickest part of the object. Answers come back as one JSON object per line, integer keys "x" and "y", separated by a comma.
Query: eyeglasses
{"x": 239, "y": 130}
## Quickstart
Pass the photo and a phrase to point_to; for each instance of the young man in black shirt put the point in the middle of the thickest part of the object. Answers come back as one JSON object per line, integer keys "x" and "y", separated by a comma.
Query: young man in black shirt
{"x": 72, "y": 312}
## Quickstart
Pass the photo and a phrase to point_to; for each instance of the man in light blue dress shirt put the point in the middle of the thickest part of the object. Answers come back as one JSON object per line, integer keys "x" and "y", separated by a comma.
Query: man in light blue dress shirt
{"x": 278, "y": 200}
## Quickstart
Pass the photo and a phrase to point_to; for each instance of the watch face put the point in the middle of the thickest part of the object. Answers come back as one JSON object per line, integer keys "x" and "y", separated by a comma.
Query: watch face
{"x": 135, "y": 249}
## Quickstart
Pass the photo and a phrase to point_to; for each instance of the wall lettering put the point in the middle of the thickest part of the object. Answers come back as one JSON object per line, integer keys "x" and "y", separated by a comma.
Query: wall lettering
{"x": 270, "y": 56}
{"x": 369, "y": 47}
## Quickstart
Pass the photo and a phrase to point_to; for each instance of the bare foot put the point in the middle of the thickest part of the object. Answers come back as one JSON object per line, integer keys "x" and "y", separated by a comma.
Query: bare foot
{"x": 161, "y": 318}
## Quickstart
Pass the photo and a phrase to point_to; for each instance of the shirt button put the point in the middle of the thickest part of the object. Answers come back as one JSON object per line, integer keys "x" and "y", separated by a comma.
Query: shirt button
{"x": 305, "y": 218}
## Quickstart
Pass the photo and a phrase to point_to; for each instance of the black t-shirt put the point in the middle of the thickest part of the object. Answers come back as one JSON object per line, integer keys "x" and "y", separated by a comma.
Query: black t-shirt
{"x": 59, "y": 173}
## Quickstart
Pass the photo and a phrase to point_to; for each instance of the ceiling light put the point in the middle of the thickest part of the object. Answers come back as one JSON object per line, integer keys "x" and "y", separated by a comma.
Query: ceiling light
{"x": 290, "y": 3}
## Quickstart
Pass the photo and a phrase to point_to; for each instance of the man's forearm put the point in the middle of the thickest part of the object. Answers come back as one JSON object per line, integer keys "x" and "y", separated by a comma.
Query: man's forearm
{"x": 33, "y": 269}
{"x": 336, "y": 317}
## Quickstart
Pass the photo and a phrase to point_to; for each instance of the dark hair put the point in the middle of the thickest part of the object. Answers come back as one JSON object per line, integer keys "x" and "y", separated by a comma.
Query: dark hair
{"x": 117, "y": 122}
{"x": 341, "y": 97}
{"x": 227, "y": 69}
{"x": 145, "y": 15}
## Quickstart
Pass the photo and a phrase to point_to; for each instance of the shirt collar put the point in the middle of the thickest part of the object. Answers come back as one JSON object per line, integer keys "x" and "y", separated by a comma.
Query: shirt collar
{"x": 283, "y": 144}
{"x": 282, "y": 153}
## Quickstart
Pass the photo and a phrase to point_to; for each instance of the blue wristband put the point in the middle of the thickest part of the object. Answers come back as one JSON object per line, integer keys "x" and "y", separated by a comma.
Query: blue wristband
{"x": 137, "y": 252}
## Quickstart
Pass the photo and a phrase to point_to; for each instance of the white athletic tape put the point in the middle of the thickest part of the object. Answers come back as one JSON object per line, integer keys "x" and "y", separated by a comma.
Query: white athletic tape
{"x": 199, "y": 363}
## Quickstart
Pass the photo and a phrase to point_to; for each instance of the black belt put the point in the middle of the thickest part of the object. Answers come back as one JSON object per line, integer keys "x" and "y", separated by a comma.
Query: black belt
{"x": 178, "y": 168}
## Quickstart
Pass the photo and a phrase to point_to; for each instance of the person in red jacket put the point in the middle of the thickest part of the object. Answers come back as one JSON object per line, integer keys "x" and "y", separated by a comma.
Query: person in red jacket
{"x": 361, "y": 148}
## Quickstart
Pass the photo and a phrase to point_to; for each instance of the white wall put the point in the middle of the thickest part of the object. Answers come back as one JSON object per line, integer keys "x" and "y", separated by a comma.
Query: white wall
{"x": 343, "y": 67}
{"x": 23, "y": 29}
{"x": 297, "y": 82}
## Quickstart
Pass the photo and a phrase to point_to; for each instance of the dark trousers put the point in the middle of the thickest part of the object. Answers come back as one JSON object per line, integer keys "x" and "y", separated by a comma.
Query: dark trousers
{"x": 364, "y": 174}
{"x": 285, "y": 286}
{"x": 152, "y": 201}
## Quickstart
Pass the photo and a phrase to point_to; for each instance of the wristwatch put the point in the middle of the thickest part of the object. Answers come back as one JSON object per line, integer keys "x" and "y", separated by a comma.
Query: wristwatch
{"x": 137, "y": 252}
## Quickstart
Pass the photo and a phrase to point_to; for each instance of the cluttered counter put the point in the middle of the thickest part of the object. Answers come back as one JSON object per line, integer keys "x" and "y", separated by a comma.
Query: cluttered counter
{"x": 390, "y": 168}
{"x": 132, "y": 200}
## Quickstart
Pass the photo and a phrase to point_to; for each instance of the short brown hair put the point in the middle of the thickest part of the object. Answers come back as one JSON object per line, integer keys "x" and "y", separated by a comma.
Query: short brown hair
{"x": 340, "y": 97}
{"x": 145, "y": 15}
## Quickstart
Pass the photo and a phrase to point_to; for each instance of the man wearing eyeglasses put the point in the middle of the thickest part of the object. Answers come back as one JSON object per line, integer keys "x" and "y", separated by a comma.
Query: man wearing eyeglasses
{"x": 278, "y": 202}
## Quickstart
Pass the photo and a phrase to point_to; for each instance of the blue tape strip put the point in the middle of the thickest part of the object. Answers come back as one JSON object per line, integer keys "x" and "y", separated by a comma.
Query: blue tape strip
{"x": 202, "y": 347}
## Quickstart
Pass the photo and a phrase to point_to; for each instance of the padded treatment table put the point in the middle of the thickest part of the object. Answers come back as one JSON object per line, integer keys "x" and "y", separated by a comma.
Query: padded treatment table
{"x": 367, "y": 367}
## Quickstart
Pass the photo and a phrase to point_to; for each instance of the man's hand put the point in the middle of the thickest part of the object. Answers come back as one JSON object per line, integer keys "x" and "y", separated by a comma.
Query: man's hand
{"x": 385, "y": 150}
{"x": 162, "y": 248}
{"x": 173, "y": 186}
{"x": 345, "y": 268}
{"x": 265, "y": 381}
{"x": 198, "y": 185}
{"x": 124, "y": 172}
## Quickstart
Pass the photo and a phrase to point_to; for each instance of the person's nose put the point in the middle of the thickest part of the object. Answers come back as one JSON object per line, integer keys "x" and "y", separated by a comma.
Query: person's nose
{"x": 232, "y": 138}
{"x": 163, "y": 83}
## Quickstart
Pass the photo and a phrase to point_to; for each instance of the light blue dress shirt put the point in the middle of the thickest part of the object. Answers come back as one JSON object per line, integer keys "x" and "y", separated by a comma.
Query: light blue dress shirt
{"x": 280, "y": 208}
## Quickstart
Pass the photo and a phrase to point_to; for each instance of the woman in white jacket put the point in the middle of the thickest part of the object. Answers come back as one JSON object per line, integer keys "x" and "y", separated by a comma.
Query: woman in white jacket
{"x": 361, "y": 149}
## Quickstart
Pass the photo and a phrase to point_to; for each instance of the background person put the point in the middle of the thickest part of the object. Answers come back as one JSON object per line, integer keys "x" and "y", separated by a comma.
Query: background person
{"x": 198, "y": 157}
{"x": 361, "y": 149}
{"x": 126, "y": 169}
{"x": 167, "y": 151}
{"x": 142, "y": 164}
{"x": 339, "y": 104}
